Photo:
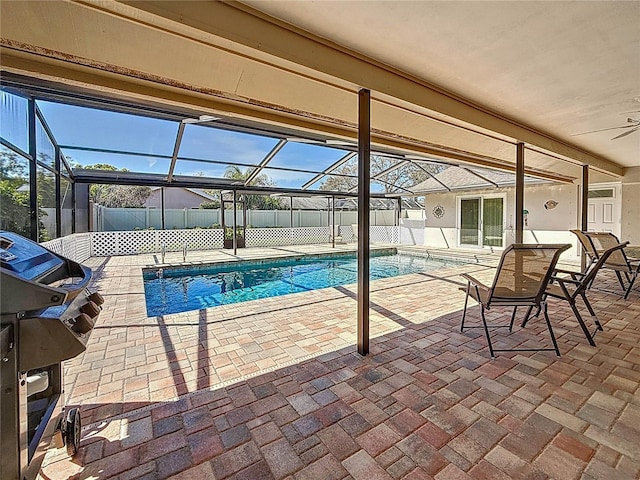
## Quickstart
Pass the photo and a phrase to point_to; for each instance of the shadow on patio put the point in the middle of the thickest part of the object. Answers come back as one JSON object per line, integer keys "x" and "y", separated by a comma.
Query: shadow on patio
{"x": 426, "y": 403}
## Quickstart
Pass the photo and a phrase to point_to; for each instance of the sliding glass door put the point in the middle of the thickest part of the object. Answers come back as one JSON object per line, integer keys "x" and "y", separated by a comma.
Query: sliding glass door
{"x": 481, "y": 221}
{"x": 470, "y": 221}
{"x": 492, "y": 222}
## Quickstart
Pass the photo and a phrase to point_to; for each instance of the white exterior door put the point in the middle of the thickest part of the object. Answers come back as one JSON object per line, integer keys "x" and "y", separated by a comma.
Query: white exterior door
{"x": 603, "y": 211}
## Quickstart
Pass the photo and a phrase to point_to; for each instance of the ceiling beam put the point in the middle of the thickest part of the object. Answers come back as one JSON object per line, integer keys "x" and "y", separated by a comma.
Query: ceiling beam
{"x": 274, "y": 151}
{"x": 431, "y": 175}
{"x": 176, "y": 149}
{"x": 481, "y": 177}
{"x": 329, "y": 169}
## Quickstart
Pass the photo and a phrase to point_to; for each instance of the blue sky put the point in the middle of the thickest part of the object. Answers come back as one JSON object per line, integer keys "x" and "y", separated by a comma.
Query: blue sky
{"x": 86, "y": 127}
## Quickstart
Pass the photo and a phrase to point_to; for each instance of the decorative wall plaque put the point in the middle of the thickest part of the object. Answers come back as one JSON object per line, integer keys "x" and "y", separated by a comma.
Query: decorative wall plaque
{"x": 438, "y": 211}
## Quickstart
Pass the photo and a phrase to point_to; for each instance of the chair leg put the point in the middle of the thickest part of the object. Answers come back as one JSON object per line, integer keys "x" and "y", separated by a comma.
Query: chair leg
{"x": 582, "y": 324}
{"x": 486, "y": 331}
{"x": 620, "y": 280}
{"x": 464, "y": 313}
{"x": 631, "y": 282}
{"x": 527, "y": 317}
{"x": 591, "y": 311}
{"x": 513, "y": 318}
{"x": 553, "y": 337}
{"x": 586, "y": 272}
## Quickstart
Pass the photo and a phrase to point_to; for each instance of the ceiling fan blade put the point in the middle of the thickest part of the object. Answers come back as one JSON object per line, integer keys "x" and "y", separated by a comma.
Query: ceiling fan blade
{"x": 605, "y": 129}
{"x": 627, "y": 133}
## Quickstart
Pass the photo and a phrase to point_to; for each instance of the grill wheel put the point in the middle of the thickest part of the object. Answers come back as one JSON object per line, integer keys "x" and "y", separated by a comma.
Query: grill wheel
{"x": 72, "y": 432}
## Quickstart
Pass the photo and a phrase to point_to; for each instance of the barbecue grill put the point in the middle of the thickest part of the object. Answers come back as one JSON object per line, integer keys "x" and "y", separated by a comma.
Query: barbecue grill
{"x": 46, "y": 316}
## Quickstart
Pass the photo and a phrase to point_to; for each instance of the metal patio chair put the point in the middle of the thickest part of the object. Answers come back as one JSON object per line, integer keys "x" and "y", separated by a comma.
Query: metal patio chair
{"x": 587, "y": 246}
{"x": 520, "y": 281}
{"x": 617, "y": 261}
{"x": 575, "y": 285}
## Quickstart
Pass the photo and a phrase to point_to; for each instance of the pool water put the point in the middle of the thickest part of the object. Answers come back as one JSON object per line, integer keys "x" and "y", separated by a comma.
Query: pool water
{"x": 180, "y": 290}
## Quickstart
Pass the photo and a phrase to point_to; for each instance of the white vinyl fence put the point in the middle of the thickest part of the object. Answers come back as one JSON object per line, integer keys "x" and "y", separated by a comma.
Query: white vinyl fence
{"x": 76, "y": 247}
{"x": 120, "y": 219}
{"x": 80, "y": 247}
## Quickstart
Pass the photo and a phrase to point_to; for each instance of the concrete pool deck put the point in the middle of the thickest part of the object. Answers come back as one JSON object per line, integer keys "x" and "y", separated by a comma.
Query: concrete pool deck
{"x": 273, "y": 388}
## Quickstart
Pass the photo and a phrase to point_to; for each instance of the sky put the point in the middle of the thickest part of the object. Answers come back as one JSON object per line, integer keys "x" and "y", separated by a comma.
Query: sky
{"x": 101, "y": 129}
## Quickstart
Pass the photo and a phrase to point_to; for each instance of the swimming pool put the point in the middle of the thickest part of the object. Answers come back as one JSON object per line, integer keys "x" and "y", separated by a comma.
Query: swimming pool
{"x": 174, "y": 290}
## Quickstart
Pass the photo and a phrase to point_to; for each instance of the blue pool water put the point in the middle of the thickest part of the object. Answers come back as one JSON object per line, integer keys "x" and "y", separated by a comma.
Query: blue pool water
{"x": 181, "y": 290}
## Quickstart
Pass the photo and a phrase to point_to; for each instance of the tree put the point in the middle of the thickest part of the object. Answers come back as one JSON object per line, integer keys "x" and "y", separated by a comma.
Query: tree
{"x": 14, "y": 201}
{"x": 15, "y": 192}
{"x": 340, "y": 182}
{"x": 256, "y": 202}
{"x": 117, "y": 196}
{"x": 395, "y": 181}
{"x": 210, "y": 204}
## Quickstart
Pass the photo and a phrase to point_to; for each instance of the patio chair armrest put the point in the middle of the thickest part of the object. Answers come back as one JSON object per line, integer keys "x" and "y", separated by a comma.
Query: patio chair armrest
{"x": 634, "y": 262}
{"x": 473, "y": 281}
{"x": 574, "y": 275}
{"x": 565, "y": 280}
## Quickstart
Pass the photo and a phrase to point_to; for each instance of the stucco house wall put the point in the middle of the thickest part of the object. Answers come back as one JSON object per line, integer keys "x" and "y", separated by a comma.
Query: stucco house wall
{"x": 543, "y": 225}
{"x": 630, "y": 228}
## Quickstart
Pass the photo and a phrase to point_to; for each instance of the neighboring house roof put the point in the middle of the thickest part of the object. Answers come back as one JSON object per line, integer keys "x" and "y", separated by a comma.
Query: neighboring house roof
{"x": 197, "y": 191}
{"x": 320, "y": 203}
{"x": 456, "y": 178}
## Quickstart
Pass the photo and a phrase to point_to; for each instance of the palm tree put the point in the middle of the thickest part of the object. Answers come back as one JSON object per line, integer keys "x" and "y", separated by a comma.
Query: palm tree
{"x": 256, "y": 202}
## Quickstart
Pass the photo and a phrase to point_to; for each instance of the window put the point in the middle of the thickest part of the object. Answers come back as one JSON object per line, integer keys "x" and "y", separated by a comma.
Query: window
{"x": 602, "y": 193}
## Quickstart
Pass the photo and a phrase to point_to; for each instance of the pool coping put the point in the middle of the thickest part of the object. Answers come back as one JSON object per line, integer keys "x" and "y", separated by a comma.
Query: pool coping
{"x": 201, "y": 265}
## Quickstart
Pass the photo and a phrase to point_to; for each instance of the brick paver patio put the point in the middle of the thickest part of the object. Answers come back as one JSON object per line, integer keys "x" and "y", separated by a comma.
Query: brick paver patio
{"x": 273, "y": 388}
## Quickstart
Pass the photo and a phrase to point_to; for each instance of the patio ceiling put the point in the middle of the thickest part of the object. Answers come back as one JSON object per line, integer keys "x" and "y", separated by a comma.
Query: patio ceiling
{"x": 560, "y": 67}
{"x": 505, "y": 72}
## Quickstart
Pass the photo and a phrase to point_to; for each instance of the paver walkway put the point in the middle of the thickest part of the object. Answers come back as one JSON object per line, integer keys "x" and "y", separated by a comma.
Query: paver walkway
{"x": 274, "y": 389}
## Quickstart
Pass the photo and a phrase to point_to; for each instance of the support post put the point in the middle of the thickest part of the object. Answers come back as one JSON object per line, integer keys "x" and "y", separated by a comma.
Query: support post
{"x": 333, "y": 220}
{"x": 73, "y": 206}
{"x": 58, "y": 194}
{"x": 222, "y": 222}
{"x": 33, "y": 172}
{"x": 584, "y": 206}
{"x": 397, "y": 220}
{"x": 520, "y": 192}
{"x": 364, "y": 197}
{"x": 162, "y": 206}
{"x": 290, "y": 220}
{"x": 330, "y": 227}
{"x": 235, "y": 224}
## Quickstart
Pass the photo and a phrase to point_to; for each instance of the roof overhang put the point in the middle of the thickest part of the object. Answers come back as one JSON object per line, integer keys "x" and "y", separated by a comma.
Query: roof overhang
{"x": 264, "y": 71}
